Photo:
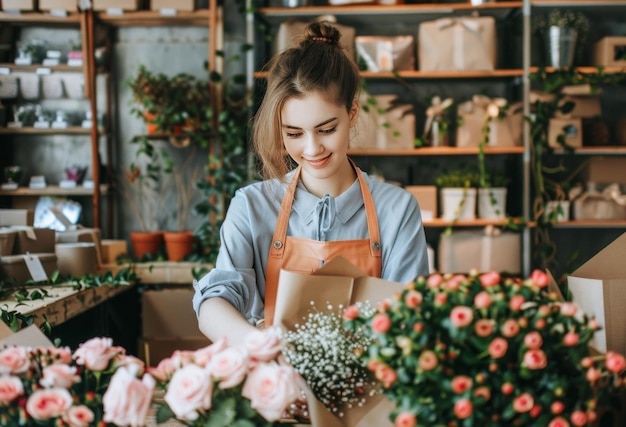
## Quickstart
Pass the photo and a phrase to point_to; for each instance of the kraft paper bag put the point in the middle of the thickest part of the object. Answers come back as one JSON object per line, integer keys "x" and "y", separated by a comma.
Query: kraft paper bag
{"x": 386, "y": 53}
{"x": 457, "y": 44}
{"x": 291, "y": 32}
{"x": 338, "y": 282}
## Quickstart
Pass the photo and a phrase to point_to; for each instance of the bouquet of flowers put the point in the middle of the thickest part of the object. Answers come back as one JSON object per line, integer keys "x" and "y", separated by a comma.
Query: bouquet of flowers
{"x": 95, "y": 385}
{"x": 480, "y": 349}
{"x": 221, "y": 385}
{"x": 327, "y": 357}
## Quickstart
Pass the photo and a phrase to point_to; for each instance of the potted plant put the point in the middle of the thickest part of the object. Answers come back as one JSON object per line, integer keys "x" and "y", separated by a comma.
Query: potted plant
{"x": 563, "y": 32}
{"x": 458, "y": 194}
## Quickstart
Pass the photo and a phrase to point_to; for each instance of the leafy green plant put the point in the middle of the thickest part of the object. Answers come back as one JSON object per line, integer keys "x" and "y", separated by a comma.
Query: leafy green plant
{"x": 457, "y": 179}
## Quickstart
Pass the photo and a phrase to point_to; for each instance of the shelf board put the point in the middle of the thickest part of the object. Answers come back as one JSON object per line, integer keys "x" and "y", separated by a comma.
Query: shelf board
{"x": 34, "y": 67}
{"x": 478, "y": 222}
{"x": 583, "y": 151}
{"x": 416, "y": 74}
{"x": 72, "y": 19}
{"x": 72, "y": 130}
{"x": 154, "y": 18}
{"x": 591, "y": 224}
{"x": 359, "y": 14}
{"x": 584, "y": 70}
{"x": 53, "y": 190}
{"x": 433, "y": 151}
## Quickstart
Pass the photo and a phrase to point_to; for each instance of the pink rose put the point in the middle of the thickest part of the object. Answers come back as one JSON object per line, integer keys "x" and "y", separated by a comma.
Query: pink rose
{"x": 271, "y": 388}
{"x": 48, "y": 403}
{"x": 405, "y": 419}
{"x": 163, "y": 370}
{"x": 510, "y": 328}
{"x": 96, "y": 353}
{"x": 182, "y": 358}
{"x": 498, "y": 347}
{"x": 381, "y": 323}
{"x": 413, "y": 299}
{"x": 558, "y": 422}
{"x": 578, "y": 418}
{"x": 461, "y": 383}
{"x": 59, "y": 375}
{"x": 14, "y": 360}
{"x": 10, "y": 389}
{"x": 593, "y": 375}
{"x": 523, "y": 403}
{"x": 516, "y": 302}
{"x": 533, "y": 340}
{"x": 507, "y": 388}
{"x": 128, "y": 360}
{"x": 483, "y": 392}
{"x": 483, "y": 327}
{"x": 127, "y": 399}
{"x": 557, "y": 407}
{"x": 490, "y": 279}
{"x": 570, "y": 339}
{"x": 386, "y": 375}
{"x": 351, "y": 313}
{"x": 482, "y": 300}
{"x": 461, "y": 316}
{"x": 434, "y": 280}
{"x": 440, "y": 298}
{"x": 230, "y": 366}
{"x": 264, "y": 345}
{"x": 568, "y": 309}
{"x": 428, "y": 360}
{"x": 540, "y": 278}
{"x": 463, "y": 408}
{"x": 455, "y": 281}
{"x": 535, "y": 359}
{"x": 189, "y": 391}
{"x": 79, "y": 416}
{"x": 202, "y": 357}
{"x": 615, "y": 362}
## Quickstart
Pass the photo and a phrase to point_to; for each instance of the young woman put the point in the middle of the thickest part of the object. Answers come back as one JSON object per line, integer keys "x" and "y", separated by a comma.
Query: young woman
{"x": 298, "y": 219}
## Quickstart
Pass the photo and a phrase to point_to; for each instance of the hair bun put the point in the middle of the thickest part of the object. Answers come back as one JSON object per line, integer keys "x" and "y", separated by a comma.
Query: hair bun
{"x": 322, "y": 32}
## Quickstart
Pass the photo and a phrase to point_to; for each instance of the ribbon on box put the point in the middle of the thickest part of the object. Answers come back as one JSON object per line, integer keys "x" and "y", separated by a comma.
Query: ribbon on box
{"x": 459, "y": 26}
{"x": 606, "y": 205}
{"x": 498, "y": 110}
{"x": 434, "y": 114}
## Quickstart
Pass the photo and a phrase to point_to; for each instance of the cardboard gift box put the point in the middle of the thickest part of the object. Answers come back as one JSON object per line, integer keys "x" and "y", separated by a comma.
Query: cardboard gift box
{"x": 607, "y": 205}
{"x": 386, "y": 53}
{"x": 570, "y": 129}
{"x": 82, "y": 235}
{"x": 426, "y": 196}
{"x": 462, "y": 251}
{"x": 111, "y": 249}
{"x": 337, "y": 282}
{"x": 23, "y": 5}
{"x": 77, "y": 259}
{"x": 34, "y": 240}
{"x": 610, "y": 51}
{"x": 21, "y": 217}
{"x": 36, "y": 266}
{"x": 385, "y": 126}
{"x": 598, "y": 287}
{"x": 184, "y": 5}
{"x": 7, "y": 241}
{"x": 68, "y": 5}
{"x": 463, "y": 43}
{"x": 290, "y": 33}
{"x": 586, "y": 99}
{"x": 605, "y": 170}
{"x": 504, "y": 131}
{"x": 116, "y": 4}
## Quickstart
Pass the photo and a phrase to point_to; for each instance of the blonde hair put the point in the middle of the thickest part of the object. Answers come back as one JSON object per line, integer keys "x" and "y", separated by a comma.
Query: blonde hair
{"x": 318, "y": 64}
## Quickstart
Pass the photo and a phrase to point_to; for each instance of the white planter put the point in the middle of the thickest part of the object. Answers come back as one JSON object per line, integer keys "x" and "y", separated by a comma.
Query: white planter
{"x": 492, "y": 203}
{"x": 558, "y": 209}
{"x": 458, "y": 204}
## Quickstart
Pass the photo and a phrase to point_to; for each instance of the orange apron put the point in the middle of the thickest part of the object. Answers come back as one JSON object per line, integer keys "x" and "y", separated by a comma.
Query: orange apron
{"x": 307, "y": 255}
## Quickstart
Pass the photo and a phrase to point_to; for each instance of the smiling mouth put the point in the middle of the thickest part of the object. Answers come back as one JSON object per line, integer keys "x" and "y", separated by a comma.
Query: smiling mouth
{"x": 319, "y": 162}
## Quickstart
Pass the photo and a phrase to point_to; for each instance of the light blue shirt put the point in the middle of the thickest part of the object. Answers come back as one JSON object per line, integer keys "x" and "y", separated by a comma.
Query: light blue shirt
{"x": 246, "y": 236}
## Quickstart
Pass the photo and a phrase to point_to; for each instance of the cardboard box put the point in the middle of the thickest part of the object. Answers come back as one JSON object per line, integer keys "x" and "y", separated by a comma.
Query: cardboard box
{"x": 21, "y": 217}
{"x": 31, "y": 336}
{"x": 82, "y": 235}
{"x": 426, "y": 196}
{"x": 572, "y": 129}
{"x": 116, "y": 4}
{"x": 77, "y": 259}
{"x": 185, "y": 5}
{"x": 7, "y": 241}
{"x": 599, "y": 289}
{"x": 503, "y": 132}
{"x": 585, "y": 106}
{"x": 111, "y": 249}
{"x": 605, "y": 170}
{"x": 461, "y": 43}
{"x": 68, "y": 5}
{"x": 23, "y": 5}
{"x": 462, "y": 251}
{"x": 34, "y": 240}
{"x": 610, "y": 51}
{"x": 14, "y": 267}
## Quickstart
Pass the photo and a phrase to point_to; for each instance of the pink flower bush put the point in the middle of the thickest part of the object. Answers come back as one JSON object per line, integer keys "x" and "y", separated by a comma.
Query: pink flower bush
{"x": 228, "y": 385}
{"x": 485, "y": 349}
{"x": 55, "y": 387}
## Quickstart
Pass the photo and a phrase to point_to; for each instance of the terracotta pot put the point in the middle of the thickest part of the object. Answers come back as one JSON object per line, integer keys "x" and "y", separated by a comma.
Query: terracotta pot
{"x": 151, "y": 128}
{"x": 178, "y": 244}
{"x": 144, "y": 242}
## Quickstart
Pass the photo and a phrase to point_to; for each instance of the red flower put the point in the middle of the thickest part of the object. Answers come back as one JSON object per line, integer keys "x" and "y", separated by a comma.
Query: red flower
{"x": 615, "y": 362}
{"x": 558, "y": 422}
{"x": 351, "y": 312}
{"x": 535, "y": 359}
{"x": 428, "y": 360}
{"x": 540, "y": 278}
{"x": 570, "y": 339}
{"x": 413, "y": 298}
{"x": 461, "y": 383}
{"x": 463, "y": 408}
{"x": 405, "y": 419}
{"x": 461, "y": 316}
{"x": 523, "y": 403}
{"x": 533, "y": 340}
{"x": 483, "y": 327}
{"x": 578, "y": 418}
{"x": 557, "y": 407}
{"x": 516, "y": 301}
{"x": 381, "y": 323}
{"x": 498, "y": 347}
{"x": 490, "y": 279}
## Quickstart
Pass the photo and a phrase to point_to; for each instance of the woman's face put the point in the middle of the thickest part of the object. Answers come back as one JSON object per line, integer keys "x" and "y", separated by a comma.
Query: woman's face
{"x": 316, "y": 134}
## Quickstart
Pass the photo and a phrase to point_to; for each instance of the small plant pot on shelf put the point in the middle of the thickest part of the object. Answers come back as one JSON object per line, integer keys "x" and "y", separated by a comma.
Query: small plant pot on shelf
{"x": 458, "y": 204}
{"x": 178, "y": 244}
{"x": 557, "y": 210}
{"x": 146, "y": 242}
{"x": 492, "y": 203}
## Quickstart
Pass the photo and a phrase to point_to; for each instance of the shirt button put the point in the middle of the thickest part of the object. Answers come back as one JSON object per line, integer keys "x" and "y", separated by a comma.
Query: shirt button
{"x": 376, "y": 246}
{"x": 278, "y": 244}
